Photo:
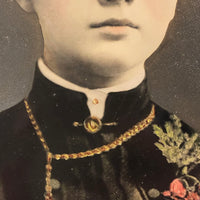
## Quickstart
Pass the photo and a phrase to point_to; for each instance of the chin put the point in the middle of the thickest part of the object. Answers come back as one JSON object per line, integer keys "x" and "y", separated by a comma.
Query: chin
{"x": 110, "y": 62}
{"x": 108, "y": 65}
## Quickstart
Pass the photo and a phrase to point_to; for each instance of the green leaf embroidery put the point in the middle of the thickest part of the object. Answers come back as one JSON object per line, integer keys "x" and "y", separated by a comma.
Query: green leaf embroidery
{"x": 178, "y": 147}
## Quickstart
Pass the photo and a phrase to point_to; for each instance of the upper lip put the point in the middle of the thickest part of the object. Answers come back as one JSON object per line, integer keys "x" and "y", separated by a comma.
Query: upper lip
{"x": 114, "y": 22}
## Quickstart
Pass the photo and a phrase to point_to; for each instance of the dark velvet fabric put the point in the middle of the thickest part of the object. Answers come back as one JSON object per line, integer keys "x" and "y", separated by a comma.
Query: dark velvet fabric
{"x": 115, "y": 175}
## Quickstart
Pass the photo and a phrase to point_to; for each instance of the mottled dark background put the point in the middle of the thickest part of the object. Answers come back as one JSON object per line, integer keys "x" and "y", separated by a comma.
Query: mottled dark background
{"x": 173, "y": 71}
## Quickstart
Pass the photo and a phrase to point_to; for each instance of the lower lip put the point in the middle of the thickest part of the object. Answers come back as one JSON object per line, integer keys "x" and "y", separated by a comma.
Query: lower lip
{"x": 114, "y": 30}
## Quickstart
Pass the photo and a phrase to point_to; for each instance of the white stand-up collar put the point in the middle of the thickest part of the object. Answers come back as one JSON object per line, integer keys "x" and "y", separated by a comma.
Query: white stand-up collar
{"x": 96, "y": 98}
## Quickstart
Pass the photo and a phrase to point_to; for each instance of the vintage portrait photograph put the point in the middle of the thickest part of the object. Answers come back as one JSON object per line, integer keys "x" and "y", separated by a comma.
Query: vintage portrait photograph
{"x": 99, "y": 99}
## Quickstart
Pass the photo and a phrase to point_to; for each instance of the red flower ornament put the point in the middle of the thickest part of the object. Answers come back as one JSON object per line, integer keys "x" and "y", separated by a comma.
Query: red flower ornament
{"x": 179, "y": 189}
{"x": 193, "y": 196}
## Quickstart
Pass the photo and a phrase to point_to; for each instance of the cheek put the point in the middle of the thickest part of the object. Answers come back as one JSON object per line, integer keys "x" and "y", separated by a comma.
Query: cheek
{"x": 52, "y": 15}
{"x": 162, "y": 10}
{"x": 50, "y": 8}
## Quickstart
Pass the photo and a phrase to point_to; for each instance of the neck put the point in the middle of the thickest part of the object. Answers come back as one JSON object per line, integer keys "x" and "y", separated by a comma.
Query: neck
{"x": 58, "y": 108}
{"x": 82, "y": 75}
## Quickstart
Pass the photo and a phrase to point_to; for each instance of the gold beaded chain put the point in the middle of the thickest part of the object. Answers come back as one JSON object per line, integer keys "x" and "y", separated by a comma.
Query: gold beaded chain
{"x": 89, "y": 153}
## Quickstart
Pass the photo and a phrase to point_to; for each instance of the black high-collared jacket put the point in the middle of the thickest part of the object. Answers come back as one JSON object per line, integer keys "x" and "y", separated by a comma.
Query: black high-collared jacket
{"x": 136, "y": 170}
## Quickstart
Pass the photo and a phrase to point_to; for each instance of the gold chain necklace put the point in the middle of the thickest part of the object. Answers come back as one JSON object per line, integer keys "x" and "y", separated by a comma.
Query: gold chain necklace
{"x": 89, "y": 153}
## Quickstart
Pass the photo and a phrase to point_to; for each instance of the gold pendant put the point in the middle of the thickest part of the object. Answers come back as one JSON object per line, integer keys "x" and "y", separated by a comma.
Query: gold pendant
{"x": 93, "y": 124}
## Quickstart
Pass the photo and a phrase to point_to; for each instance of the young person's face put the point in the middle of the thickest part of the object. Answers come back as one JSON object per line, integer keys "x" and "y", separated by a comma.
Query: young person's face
{"x": 115, "y": 34}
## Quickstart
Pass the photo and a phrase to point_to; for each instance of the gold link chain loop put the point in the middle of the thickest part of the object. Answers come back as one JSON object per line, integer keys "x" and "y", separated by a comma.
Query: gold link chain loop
{"x": 89, "y": 153}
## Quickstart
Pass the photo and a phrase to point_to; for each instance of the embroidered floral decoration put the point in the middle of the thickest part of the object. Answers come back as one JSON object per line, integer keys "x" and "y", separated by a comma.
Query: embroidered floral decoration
{"x": 177, "y": 146}
{"x": 183, "y": 149}
{"x": 185, "y": 188}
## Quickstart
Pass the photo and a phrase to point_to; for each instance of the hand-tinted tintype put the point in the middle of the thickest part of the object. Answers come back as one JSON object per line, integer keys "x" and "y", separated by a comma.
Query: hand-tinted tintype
{"x": 98, "y": 121}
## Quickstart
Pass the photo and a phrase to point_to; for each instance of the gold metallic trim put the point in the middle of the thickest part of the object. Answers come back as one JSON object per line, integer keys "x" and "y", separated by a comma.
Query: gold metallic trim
{"x": 89, "y": 153}
{"x": 93, "y": 124}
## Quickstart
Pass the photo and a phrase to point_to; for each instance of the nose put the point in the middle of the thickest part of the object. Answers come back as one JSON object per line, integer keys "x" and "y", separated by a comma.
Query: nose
{"x": 113, "y": 2}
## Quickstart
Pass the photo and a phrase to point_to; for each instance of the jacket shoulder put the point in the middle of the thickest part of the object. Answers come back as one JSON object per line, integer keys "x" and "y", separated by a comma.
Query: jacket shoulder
{"x": 7, "y": 117}
{"x": 163, "y": 116}
{"x": 11, "y": 120}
